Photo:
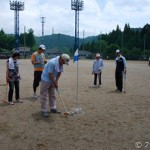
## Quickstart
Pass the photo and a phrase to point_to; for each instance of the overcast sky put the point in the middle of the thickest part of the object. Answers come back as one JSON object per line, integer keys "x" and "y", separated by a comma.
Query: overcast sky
{"x": 98, "y": 16}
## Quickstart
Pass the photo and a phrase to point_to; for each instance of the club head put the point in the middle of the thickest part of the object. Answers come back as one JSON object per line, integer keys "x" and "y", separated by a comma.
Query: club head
{"x": 66, "y": 114}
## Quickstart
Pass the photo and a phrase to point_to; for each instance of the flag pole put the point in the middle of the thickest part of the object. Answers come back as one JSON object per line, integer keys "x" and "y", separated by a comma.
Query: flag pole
{"x": 77, "y": 86}
{"x": 76, "y": 109}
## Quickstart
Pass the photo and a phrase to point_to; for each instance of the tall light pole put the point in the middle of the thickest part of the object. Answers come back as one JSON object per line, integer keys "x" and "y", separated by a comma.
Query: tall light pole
{"x": 16, "y": 6}
{"x": 77, "y": 5}
{"x": 122, "y": 41}
{"x": 42, "y": 21}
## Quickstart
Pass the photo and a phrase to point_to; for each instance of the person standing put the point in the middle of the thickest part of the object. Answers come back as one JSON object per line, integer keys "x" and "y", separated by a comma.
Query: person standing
{"x": 120, "y": 69}
{"x": 97, "y": 70}
{"x": 13, "y": 77}
{"x": 49, "y": 82}
{"x": 38, "y": 60}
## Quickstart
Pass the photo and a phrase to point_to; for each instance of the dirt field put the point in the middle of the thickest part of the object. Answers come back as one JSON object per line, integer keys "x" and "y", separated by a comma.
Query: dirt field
{"x": 111, "y": 121}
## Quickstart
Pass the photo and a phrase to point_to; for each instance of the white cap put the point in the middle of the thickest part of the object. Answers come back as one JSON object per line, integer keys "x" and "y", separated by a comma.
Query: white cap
{"x": 98, "y": 55}
{"x": 42, "y": 47}
{"x": 66, "y": 58}
{"x": 117, "y": 51}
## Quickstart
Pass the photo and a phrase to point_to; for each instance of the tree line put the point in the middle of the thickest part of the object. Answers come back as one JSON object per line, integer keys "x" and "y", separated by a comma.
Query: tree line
{"x": 7, "y": 41}
{"x": 133, "y": 42}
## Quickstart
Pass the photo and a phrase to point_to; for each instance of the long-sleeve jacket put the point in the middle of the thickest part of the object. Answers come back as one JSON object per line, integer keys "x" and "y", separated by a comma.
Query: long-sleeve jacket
{"x": 98, "y": 66}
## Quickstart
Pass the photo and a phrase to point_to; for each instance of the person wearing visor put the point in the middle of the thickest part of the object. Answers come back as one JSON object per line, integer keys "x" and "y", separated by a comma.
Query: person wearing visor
{"x": 38, "y": 60}
{"x": 120, "y": 69}
{"x": 49, "y": 82}
{"x": 13, "y": 77}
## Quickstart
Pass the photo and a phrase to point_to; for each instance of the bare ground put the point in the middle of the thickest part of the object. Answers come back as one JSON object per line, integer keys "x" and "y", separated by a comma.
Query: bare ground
{"x": 111, "y": 121}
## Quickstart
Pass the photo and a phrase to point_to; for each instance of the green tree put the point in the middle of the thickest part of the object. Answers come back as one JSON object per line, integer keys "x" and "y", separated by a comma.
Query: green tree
{"x": 30, "y": 41}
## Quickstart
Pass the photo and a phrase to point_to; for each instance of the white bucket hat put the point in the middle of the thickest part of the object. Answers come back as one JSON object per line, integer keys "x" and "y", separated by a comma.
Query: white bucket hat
{"x": 66, "y": 58}
{"x": 98, "y": 55}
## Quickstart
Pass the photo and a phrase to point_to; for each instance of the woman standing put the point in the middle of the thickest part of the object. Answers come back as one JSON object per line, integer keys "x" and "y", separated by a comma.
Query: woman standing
{"x": 13, "y": 76}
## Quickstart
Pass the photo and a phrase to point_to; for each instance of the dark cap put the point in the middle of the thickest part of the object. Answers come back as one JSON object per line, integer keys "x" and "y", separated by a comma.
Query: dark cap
{"x": 15, "y": 53}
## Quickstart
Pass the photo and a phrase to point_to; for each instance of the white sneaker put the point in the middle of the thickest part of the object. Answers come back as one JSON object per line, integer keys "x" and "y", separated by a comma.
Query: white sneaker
{"x": 11, "y": 103}
{"x": 34, "y": 95}
{"x": 19, "y": 101}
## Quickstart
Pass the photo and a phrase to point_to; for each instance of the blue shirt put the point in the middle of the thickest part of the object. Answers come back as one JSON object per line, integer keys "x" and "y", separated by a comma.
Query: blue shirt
{"x": 53, "y": 67}
{"x": 98, "y": 66}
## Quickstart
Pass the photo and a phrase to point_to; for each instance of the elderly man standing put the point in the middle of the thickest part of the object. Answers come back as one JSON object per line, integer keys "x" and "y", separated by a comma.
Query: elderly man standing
{"x": 38, "y": 60}
{"x": 120, "y": 69}
{"x": 97, "y": 70}
{"x": 49, "y": 82}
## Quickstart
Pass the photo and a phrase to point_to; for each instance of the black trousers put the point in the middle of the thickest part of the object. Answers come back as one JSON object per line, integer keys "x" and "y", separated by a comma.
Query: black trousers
{"x": 119, "y": 80}
{"x": 13, "y": 84}
{"x": 37, "y": 79}
{"x": 99, "y": 78}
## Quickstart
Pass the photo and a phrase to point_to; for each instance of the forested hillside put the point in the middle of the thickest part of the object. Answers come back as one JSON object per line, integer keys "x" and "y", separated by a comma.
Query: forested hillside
{"x": 133, "y": 42}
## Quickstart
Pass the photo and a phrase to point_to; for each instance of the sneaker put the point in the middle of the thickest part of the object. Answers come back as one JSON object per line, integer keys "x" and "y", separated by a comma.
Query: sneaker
{"x": 99, "y": 85}
{"x": 55, "y": 111}
{"x": 44, "y": 114}
{"x": 11, "y": 103}
{"x": 34, "y": 95}
{"x": 19, "y": 101}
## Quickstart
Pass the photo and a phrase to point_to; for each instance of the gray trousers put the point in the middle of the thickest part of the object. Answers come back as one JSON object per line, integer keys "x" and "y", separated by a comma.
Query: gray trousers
{"x": 47, "y": 89}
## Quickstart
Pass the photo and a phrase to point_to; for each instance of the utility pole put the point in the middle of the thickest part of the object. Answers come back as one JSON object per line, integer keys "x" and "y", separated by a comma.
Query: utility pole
{"x": 122, "y": 41}
{"x": 83, "y": 39}
{"x": 52, "y": 37}
{"x": 24, "y": 39}
{"x": 100, "y": 43}
{"x": 42, "y": 21}
{"x": 16, "y": 6}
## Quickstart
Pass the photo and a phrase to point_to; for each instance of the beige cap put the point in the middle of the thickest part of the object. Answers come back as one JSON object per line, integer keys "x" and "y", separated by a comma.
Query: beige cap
{"x": 66, "y": 58}
{"x": 98, "y": 55}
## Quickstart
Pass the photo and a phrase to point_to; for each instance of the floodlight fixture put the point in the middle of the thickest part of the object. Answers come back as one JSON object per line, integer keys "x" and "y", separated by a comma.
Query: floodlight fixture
{"x": 16, "y": 6}
{"x": 77, "y": 5}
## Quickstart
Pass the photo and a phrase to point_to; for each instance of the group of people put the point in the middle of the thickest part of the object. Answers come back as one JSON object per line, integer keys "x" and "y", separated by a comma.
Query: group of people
{"x": 48, "y": 73}
{"x": 119, "y": 72}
